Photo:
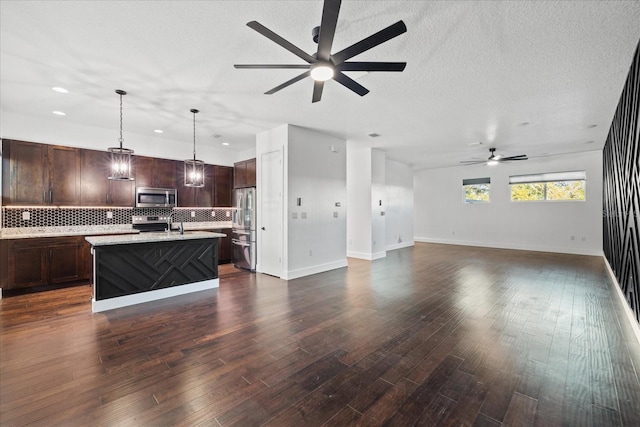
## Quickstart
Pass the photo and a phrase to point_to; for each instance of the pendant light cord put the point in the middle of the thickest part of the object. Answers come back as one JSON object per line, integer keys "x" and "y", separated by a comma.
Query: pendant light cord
{"x": 194, "y": 136}
{"x": 121, "y": 139}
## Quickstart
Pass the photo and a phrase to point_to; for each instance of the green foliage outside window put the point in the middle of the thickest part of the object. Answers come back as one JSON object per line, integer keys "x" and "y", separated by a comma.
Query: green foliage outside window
{"x": 476, "y": 193}
{"x": 553, "y": 190}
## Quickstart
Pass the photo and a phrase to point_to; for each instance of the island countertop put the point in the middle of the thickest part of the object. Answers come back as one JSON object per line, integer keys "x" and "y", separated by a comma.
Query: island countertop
{"x": 161, "y": 236}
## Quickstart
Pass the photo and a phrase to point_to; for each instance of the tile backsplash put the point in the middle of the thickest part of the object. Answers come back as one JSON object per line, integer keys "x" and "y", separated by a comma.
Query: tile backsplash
{"x": 16, "y": 217}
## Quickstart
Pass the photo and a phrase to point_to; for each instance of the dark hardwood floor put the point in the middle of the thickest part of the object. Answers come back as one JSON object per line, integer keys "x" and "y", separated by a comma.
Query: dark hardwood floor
{"x": 433, "y": 335}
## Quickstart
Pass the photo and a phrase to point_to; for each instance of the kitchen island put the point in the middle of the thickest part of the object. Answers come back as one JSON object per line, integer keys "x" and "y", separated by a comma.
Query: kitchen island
{"x": 132, "y": 269}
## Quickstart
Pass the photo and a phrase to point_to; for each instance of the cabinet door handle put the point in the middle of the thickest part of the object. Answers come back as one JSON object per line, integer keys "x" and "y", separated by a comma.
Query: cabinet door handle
{"x": 50, "y": 196}
{"x": 107, "y": 198}
{"x": 44, "y": 196}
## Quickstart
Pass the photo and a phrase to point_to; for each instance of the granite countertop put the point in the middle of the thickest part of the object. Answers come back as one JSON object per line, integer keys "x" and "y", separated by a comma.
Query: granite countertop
{"x": 160, "y": 236}
{"x": 96, "y": 230}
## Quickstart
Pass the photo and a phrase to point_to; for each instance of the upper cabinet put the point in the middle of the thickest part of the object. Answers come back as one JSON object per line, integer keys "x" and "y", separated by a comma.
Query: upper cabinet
{"x": 153, "y": 172}
{"x": 223, "y": 183}
{"x": 244, "y": 174}
{"x": 95, "y": 187}
{"x": 195, "y": 196}
{"x": 36, "y": 174}
{"x": 39, "y": 174}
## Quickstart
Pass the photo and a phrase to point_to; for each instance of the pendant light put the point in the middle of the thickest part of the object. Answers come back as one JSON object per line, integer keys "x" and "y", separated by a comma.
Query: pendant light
{"x": 120, "y": 157}
{"x": 194, "y": 169}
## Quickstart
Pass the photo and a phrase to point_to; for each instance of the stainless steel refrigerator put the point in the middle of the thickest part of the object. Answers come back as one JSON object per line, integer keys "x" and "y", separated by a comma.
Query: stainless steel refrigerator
{"x": 244, "y": 228}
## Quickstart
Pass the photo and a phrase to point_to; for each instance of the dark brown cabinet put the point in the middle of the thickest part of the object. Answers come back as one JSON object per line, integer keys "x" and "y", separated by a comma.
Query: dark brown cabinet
{"x": 223, "y": 184}
{"x": 39, "y": 174}
{"x": 153, "y": 172}
{"x": 44, "y": 261}
{"x": 195, "y": 196}
{"x": 225, "y": 248}
{"x": 244, "y": 174}
{"x": 95, "y": 187}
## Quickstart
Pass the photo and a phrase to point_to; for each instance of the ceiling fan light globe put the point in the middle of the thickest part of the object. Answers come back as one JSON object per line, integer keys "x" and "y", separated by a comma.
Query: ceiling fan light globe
{"x": 492, "y": 162}
{"x": 322, "y": 73}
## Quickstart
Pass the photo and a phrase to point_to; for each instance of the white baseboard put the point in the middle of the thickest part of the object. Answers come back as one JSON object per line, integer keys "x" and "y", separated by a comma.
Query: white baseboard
{"x": 369, "y": 256}
{"x": 315, "y": 269}
{"x": 520, "y": 247}
{"x": 139, "y": 298}
{"x": 399, "y": 245}
{"x": 630, "y": 316}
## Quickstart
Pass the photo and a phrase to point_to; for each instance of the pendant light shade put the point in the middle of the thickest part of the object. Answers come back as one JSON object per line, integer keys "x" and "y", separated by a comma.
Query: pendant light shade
{"x": 120, "y": 168}
{"x": 194, "y": 169}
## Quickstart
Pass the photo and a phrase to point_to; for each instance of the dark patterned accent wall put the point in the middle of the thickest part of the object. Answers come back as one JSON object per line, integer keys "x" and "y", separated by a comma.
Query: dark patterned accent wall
{"x": 621, "y": 190}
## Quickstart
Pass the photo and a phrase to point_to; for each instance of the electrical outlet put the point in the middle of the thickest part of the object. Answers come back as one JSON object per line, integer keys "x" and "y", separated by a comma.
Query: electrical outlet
{"x": 193, "y": 214}
{"x": 109, "y": 215}
{"x": 26, "y": 216}
{"x": 573, "y": 238}
{"x": 228, "y": 213}
{"x": 310, "y": 253}
{"x": 335, "y": 214}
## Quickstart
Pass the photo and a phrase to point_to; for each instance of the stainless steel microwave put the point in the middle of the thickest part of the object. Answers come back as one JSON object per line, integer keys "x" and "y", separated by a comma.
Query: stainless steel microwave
{"x": 147, "y": 197}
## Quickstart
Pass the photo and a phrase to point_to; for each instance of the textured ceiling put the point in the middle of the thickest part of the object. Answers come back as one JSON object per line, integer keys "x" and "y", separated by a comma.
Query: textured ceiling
{"x": 475, "y": 72}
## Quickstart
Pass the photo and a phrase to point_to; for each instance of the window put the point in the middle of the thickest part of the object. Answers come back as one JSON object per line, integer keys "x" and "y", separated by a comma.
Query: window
{"x": 548, "y": 186}
{"x": 476, "y": 190}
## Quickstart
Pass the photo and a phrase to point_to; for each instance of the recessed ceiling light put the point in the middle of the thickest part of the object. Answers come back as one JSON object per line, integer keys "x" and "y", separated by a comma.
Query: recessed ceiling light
{"x": 158, "y": 131}
{"x": 523, "y": 124}
{"x": 59, "y": 89}
{"x": 588, "y": 142}
{"x": 225, "y": 143}
{"x": 216, "y": 135}
{"x": 58, "y": 113}
{"x": 475, "y": 143}
{"x": 374, "y": 135}
{"x": 591, "y": 126}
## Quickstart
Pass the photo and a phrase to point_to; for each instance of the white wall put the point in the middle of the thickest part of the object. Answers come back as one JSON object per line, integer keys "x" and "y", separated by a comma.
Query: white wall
{"x": 317, "y": 168}
{"x": 567, "y": 227}
{"x": 372, "y": 179}
{"x": 314, "y": 169}
{"x": 359, "y": 200}
{"x": 378, "y": 204}
{"x": 399, "y": 205}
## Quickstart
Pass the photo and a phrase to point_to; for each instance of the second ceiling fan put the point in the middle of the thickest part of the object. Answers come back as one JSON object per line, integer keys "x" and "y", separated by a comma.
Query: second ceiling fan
{"x": 322, "y": 65}
{"x": 494, "y": 159}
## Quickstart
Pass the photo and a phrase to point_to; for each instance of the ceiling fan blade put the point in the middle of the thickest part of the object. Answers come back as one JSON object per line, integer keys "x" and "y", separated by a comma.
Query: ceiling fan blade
{"x": 349, "y": 83}
{"x": 282, "y": 42}
{"x": 271, "y": 66}
{"x": 473, "y": 162}
{"x": 317, "y": 91}
{"x": 327, "y": 28}
{"x": 373, "y": 40}
{"x": 372, "y": 66}
{"x": 518, "y": 157}
{"x": 288, "y": 82}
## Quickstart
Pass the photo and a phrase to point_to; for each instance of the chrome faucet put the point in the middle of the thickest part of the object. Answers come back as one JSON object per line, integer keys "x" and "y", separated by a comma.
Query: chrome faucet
{"x": 169, "y": 223}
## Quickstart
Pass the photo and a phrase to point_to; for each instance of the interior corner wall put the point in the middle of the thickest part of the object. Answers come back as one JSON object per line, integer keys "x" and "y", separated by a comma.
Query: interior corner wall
{"x": 441, "y": 216}
{"x": 359, "y": 199}
{"x": 316, "y": 174}
{"x": 379, "y": 204}
{"x": 621, "y": 172}
{"x": 399, "y": 205}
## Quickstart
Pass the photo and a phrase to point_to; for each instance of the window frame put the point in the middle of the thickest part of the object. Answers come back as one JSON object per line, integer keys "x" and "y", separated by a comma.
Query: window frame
{"x": 546, "y": 179}
{"x": 466, "y": 182}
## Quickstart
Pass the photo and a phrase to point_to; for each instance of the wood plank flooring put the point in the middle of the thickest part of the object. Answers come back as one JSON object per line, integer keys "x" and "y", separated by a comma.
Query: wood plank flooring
{"x": 434, "y": 335}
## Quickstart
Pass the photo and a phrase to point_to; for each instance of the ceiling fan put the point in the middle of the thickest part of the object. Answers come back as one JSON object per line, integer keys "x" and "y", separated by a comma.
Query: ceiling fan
{"x": 494, "y": 159}
{"x": 322, "y": 65}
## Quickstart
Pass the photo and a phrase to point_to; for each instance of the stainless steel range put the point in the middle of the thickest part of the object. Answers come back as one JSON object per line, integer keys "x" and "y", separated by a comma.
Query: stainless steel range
{"x": 150, "y": 223}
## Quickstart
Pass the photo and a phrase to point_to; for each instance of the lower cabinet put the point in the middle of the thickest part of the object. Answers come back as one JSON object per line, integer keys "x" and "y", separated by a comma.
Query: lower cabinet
{"x": 45, "y": 261}
{"x": 225, "y": 248}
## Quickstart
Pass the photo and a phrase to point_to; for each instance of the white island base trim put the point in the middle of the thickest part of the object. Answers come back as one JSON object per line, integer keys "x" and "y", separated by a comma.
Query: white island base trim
{"x": 139, "y": 298}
